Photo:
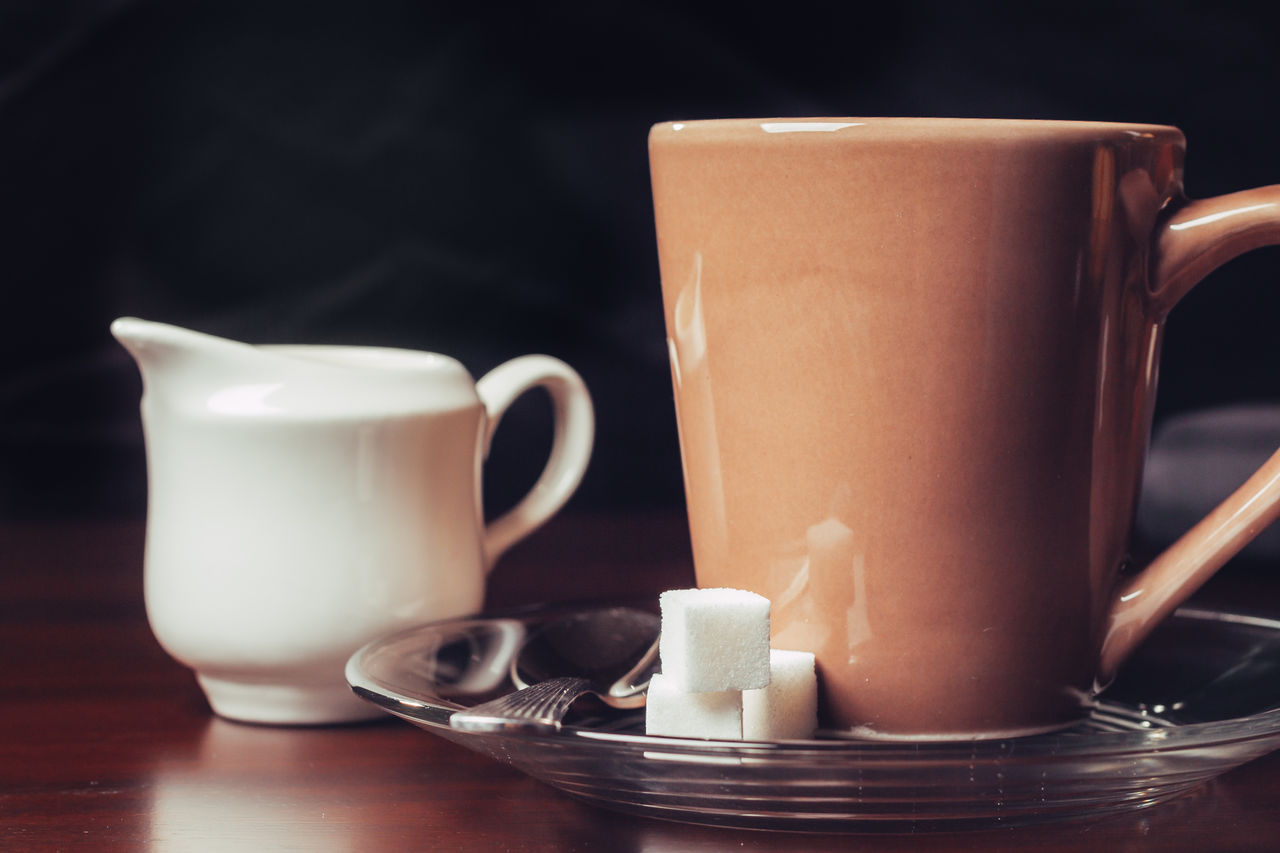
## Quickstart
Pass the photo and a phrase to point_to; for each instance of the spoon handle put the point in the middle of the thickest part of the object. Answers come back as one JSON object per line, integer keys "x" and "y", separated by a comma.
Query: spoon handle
{"x": 537, "y": 709}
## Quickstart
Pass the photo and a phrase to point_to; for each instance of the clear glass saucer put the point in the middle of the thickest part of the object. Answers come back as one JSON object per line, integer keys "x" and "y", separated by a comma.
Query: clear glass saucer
{"x": 1200, "y": 698}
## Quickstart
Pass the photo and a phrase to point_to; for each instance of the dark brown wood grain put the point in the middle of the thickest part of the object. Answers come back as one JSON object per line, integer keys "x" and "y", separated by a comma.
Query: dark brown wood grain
{"x": 107, "y": 744}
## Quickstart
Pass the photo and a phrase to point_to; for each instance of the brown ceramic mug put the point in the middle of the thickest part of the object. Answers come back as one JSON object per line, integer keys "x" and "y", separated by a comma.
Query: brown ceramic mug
{"x": 914, "y": 365}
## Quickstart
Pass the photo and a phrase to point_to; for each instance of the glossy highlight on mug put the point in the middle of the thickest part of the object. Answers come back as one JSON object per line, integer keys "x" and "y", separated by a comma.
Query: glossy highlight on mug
{"x": 807, "y": 126}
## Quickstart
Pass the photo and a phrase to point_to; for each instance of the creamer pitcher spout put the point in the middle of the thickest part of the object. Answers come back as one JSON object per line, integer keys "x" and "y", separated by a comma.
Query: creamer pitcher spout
{"x": 159, "y": 348}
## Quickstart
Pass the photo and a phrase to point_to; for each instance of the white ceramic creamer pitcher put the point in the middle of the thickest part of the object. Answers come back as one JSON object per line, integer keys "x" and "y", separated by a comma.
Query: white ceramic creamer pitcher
{"x": 305, "y": 499}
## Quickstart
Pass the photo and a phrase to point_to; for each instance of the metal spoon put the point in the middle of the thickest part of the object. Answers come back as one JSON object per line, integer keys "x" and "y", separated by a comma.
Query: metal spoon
{"x": 609, "y": 653}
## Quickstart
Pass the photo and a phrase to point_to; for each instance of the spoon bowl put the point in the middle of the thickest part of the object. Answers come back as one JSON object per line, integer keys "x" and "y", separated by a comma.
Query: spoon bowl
{"x": 609, "y": 653}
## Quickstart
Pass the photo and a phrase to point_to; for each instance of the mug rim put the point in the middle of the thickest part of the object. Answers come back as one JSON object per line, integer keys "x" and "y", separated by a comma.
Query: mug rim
{"x": 907, "y": 128}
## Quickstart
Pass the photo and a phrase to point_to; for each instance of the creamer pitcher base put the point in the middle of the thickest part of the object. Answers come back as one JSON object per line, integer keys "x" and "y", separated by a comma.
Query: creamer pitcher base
{"x": 285, "y": 704}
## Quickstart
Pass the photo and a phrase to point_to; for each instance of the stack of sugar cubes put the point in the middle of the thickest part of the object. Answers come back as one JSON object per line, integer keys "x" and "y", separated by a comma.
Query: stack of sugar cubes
{"x": 719, "y": 677}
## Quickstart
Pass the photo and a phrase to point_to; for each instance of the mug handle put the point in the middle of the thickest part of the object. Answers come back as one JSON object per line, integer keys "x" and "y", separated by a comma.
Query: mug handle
{"x": 1199, "y": 237}
{"x": 570, "y": 446}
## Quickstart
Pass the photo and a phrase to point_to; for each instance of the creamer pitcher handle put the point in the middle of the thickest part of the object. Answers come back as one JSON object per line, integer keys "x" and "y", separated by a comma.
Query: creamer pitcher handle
{"x": 1199, "y": 237}
{"x": 570, "y": 448}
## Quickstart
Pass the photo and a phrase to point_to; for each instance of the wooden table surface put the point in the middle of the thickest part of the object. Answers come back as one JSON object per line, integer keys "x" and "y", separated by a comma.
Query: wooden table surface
{"x": 107, "y": 744}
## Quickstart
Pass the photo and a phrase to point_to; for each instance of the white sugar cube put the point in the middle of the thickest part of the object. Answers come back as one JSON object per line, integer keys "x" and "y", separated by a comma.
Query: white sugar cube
{"x": 714, "y": 639}
{"x": 668, "y": 710}
{"x": 788, "y": 707}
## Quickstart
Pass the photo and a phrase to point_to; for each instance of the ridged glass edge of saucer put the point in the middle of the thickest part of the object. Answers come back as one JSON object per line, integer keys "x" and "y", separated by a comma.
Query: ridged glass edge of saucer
{"x": 1200, "y": 698}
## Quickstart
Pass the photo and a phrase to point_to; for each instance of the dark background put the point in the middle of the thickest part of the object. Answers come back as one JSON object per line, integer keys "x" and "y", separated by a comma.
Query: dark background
{"x": 474, "y": 181}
